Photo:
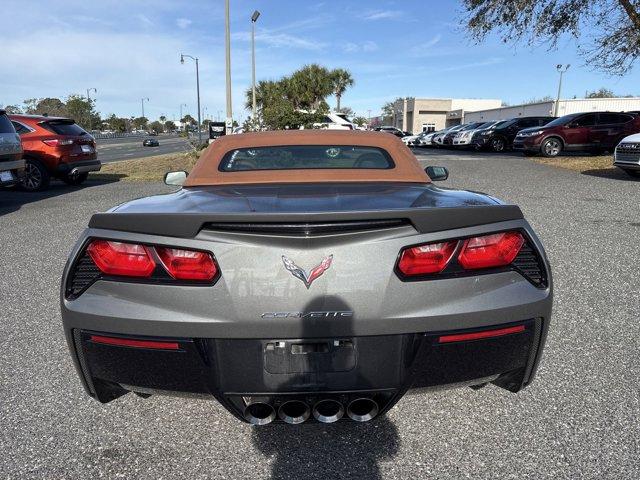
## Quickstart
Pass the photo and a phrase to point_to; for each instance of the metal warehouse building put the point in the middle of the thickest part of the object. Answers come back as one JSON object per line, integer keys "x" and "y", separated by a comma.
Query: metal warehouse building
{"x": 428, "y": 114}
{"x": 576, "y": 105}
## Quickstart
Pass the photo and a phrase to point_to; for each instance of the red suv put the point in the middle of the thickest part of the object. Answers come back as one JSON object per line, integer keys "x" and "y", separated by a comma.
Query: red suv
{"x": 594, "y": 132}
{"x": 54, "y": 147}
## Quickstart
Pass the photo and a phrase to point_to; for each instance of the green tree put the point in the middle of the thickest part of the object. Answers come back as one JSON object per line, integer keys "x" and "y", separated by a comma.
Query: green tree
{"x": 162, "y": 119}
{"x": 12, "y": 109}
{"x": 116, "y": 124}
{"x": 189, "y": 120}
{"x": 54, "y": 107}
{"x": 360, "y": 121}
{"x": 140, "y": 123}
{"x": 348, "y": 111}
{"x": 169, "y": 126}
{"x": 609, "y": 28}
{"x": 156, "y": 126}
{"x": 389, "y": 109}
{"x": 82, "y": 111}
{"x": 601, "y": 93}
{"x": 341, "y": 80}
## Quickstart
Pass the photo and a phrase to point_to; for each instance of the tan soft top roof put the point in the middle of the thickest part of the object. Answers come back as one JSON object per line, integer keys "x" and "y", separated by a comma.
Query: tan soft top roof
{"x": 206, "y": 170}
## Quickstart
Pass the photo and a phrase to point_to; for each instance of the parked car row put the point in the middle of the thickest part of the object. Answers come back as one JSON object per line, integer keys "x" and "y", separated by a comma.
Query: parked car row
{"x": 595, "y": 132}
{"x": 49, "y": 147}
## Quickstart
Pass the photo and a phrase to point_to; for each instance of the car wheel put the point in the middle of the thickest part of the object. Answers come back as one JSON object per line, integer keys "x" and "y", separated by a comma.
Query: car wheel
{"x": 633, "y": 173}
{"x": 75, "y": 179}
{"x": 35, "y": 178}
{"x": 551, "y": 147}
{"x": 498, "y": 144}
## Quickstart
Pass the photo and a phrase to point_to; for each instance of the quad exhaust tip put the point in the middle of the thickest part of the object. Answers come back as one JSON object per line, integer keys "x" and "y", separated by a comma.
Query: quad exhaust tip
{"x": 294, "y": 412}
{"x": 362, "y": 409}
{"x": 328, "y": 411}
{"x": 259, "y": 413}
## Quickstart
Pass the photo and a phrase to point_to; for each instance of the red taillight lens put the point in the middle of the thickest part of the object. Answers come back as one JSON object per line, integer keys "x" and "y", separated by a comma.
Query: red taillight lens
{"x": 463, "y": 337}
{"x": 119, "y": 258}
{"x": 55, "y": 142}
{"x": 130, "y": 342}
{"x": 187, "y": 264}
{"x": 426, "y": 259}
{"x": 496, "y": 250}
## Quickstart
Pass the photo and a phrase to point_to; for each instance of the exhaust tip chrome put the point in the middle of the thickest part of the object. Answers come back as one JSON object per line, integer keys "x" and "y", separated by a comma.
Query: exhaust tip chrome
{"x": 294, "y": 412}
{"x": 328, "y": 411}
{"x": 362, "y": 409}
{"x": 259, "y": 413}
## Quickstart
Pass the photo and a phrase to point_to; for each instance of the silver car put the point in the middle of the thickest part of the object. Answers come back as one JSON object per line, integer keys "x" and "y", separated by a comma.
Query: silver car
{"x": 11, "y": 162}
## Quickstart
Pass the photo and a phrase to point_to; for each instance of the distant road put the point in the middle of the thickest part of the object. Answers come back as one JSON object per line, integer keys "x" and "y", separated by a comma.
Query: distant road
{"x": 116, "y": 149}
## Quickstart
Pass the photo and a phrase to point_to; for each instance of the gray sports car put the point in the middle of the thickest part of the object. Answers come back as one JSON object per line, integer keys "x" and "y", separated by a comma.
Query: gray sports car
{"x": 307, "y": 274}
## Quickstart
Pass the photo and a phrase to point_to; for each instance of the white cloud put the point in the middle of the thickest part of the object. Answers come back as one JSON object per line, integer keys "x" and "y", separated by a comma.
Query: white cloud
{"x": 183, "y": 22}
{"x": 382, "y": 14}
{"x": 424, "y": 47}
{"x": 352, "y": 47}
{"x": 144, "y": 20}
{"x": 281, "y": 40}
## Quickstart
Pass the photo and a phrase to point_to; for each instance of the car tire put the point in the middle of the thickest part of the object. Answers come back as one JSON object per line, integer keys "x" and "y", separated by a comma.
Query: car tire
{"x": 551, "y": 147}
{"x": 632, "y": 173}
{"x": 75, "y": 179}
{"x": 498, "y": 144}
{"x": 36, "y": 177}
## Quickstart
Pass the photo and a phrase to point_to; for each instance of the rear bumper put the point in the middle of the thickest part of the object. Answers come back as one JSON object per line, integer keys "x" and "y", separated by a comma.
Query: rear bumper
{"x": 78, "y": 167}
{"x": 238, "y": 372}
{"x": 15, "y": 169}
{"x": 528, "y": 145}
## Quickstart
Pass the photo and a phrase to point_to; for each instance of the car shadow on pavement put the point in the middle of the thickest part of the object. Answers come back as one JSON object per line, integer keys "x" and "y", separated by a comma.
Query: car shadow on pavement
{"x": 12, "y": 199}
{"x": 611, "y": 173}
{"x": 344, "y": 449}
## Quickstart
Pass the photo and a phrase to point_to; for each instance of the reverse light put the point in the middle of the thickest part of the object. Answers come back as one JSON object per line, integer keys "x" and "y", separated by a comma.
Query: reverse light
{"x": 426, "y": 259}
{"x": 187, "y": 264}
{"x": 120, "y": 258}
{"x": 495, "y": 250}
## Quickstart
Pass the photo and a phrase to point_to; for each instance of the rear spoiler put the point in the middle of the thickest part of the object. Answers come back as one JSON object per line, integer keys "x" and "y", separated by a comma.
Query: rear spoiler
{"x": 187, "y": 225}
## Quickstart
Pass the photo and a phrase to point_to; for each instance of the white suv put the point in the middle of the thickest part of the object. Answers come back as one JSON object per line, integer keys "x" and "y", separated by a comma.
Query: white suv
{"x": 627, "y": 155}
{"x": 336, "y": 121}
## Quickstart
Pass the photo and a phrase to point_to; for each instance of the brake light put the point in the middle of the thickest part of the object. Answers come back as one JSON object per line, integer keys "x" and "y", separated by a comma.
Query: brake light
{"x": 120, "y": 258}
{"x": 463, "y": 337}
{"x": 56, "y": 142}
{"x": 130, "y": 342}
{"x": 426, "y": 259}
{"x": 187, "y": 264}
{"x": 495, "y": 250}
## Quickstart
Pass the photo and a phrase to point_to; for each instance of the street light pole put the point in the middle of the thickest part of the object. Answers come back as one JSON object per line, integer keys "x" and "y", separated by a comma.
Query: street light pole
{"x": 89, "y": 101}
{"x": 254, "y": 19}
{"x": 181, "y": 105}
{"x": 143, "y": 106}
{"x": 561, "y": 69}
{"x": 227, "y": 39}
{"x": 198, "y": 91}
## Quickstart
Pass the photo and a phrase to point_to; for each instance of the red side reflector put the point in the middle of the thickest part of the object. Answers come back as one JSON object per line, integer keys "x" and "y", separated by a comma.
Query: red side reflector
{"x": 187, "y": 264}
{"x": 128, "y": 342}
{"x": 426, "y": 259}
{"x": 496, "y": 250}
{"x": 462, "y": 337}
{"x": 119, "y": 258}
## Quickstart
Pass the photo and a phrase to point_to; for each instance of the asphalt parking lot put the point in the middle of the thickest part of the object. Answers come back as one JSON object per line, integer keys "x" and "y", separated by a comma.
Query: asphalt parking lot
{"x": 127, "y": 148}
{"x": 579, "y": 419}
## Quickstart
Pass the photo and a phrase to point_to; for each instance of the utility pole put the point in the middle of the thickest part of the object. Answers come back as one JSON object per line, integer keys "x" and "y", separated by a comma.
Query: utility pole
{"x": 143, "y": 106}
{"x": 254, "y": 19}
{"x": 561, "y": 70}
{"x": 89, "y": 101}
{"x": 227, "y": 38}
{"x": 182, "y": 57}
{"x": 181, "y": 105}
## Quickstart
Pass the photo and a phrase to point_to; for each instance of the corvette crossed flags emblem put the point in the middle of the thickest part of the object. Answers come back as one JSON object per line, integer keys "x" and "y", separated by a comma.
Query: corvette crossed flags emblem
{"x": 307, "y": 278}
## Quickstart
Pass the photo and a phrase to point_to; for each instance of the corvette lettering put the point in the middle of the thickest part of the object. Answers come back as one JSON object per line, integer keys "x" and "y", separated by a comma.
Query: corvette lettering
{"x": 335, "y": 314}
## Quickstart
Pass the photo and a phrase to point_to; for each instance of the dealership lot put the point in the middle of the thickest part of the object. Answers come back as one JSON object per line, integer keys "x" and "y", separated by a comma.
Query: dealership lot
{"x": 579, "y": 418}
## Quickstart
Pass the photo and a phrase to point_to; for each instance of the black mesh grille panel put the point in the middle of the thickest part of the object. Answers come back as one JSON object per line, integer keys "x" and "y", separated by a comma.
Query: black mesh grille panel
{"x": 84, "y": 273}
{"x": 528, "y": 264}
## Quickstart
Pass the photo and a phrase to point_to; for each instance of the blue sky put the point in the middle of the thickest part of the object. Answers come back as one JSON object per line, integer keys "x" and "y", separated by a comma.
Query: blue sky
{"x": 130, "y": 49}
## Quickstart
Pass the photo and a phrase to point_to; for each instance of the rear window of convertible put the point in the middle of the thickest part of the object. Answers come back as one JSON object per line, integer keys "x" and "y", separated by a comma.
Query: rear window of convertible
{"x": 301, "y": 157}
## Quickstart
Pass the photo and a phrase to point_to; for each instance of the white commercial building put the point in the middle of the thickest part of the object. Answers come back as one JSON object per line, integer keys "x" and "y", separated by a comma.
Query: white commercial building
{"x": 565, "y": 107}
{"x": 427, "y": 114}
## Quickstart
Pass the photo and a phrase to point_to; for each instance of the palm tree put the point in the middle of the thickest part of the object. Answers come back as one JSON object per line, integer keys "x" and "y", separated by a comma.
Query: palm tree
{"x": 341, "y": 80}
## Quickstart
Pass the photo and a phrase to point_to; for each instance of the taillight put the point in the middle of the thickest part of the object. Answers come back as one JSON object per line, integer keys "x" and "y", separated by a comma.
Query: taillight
{"x": 495, "y": 250}
{"x": 120, "y": 258}
{"x": 187, "y": 264}
{"x": 426, "y": 259}
{"x": 56, "y": 142}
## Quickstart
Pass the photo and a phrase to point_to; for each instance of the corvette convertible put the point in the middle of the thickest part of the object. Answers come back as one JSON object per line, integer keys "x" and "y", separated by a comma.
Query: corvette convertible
{"x": 306, "y": 276}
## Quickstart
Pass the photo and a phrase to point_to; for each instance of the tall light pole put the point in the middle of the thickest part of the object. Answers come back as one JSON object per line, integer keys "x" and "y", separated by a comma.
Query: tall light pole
{"x": 254, "y": 19}
{"x": 561, "y": 70}
{"x": 181, "y": 105}
{"x": 182, "y": 57}
{"x": 142, "y": 100}
{"x": 227, "y": 41}
{"x": 89, "y": 101}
